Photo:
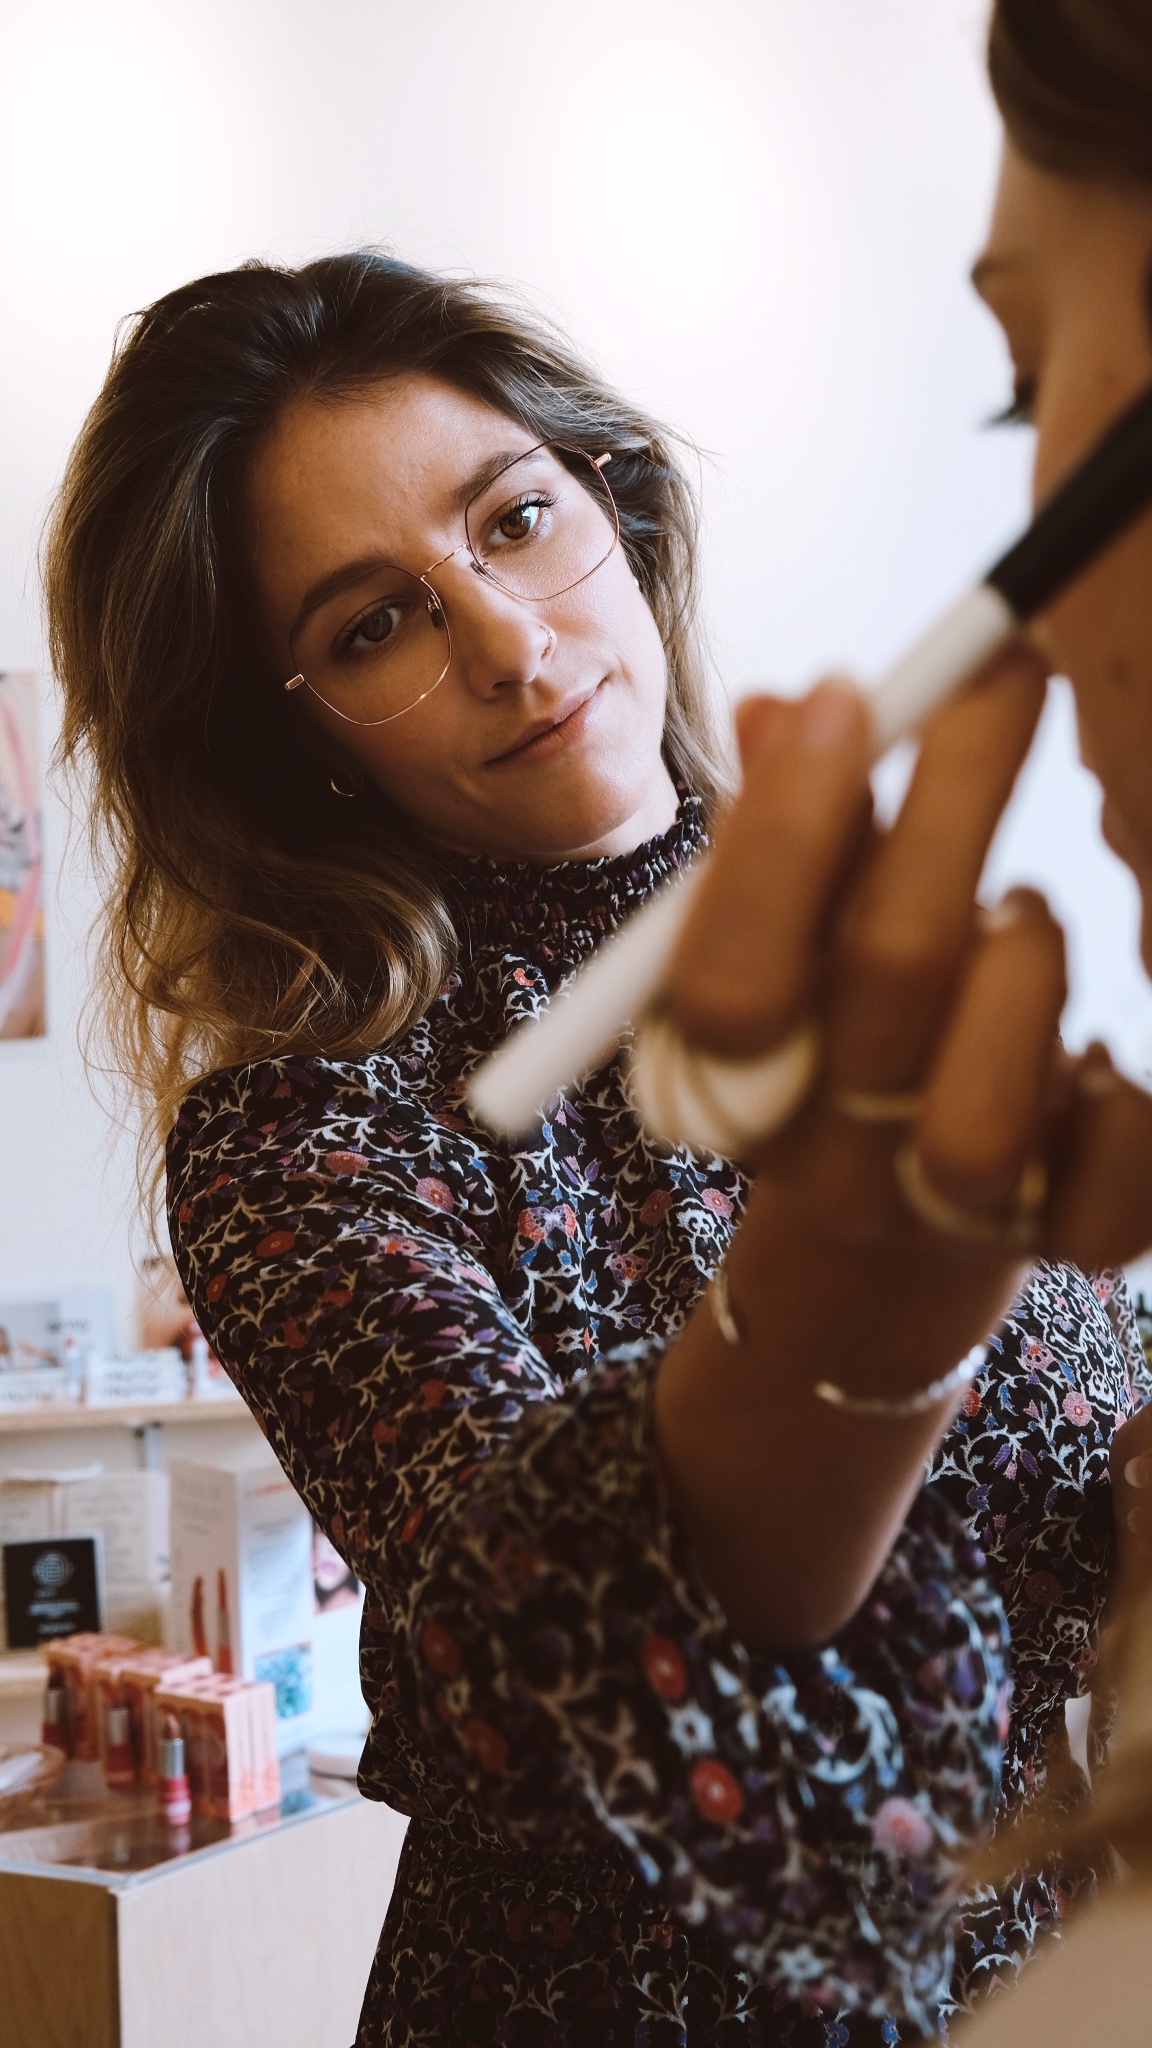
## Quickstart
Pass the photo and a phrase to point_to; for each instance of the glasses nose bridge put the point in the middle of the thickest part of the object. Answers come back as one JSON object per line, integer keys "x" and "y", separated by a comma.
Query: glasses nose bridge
{"x": 463, "y": 547}
{"x": 494, "y": 587}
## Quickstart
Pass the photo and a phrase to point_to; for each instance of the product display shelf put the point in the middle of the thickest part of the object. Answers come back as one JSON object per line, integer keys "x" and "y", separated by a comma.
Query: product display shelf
{"x": 22, "y": 1675}
{"x": 119, "y": 1931}
{"x": 61, "y": 1415}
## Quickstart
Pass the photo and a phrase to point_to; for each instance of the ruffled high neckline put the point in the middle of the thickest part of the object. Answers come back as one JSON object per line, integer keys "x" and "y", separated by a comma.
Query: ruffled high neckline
{"x": 560, "y": 913}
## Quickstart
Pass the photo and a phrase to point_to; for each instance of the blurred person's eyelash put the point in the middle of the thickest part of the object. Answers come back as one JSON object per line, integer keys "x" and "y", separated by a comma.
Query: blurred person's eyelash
{"x": 1019, "y": 412}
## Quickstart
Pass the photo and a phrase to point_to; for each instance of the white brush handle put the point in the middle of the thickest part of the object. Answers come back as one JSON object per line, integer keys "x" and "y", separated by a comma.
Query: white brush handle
{"x": 584, "y": 1023}
{"x": 949, "y": 654}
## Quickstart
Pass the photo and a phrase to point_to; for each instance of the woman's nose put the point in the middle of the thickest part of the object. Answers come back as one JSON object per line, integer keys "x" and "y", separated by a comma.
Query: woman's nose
{"x": 498, "y": 641}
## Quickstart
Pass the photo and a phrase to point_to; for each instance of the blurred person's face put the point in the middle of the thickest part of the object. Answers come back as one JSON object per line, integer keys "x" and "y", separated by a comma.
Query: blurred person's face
{"x": 543, "y": 740}
{"x": 1066, "y": 270}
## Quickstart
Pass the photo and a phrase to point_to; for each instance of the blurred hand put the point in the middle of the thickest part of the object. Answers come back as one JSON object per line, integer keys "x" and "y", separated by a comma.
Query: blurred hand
{"x": 1131, "y": 1468}
{"x": 809, "y": 907}
{"x": 945, "y": 1015}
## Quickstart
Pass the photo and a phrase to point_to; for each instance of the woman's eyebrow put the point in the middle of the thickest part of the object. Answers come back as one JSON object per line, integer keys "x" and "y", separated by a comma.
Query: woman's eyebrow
{"x": 485, "y": 473}
{"x": 349, "y": 574}
{"x": 346, "y": 577}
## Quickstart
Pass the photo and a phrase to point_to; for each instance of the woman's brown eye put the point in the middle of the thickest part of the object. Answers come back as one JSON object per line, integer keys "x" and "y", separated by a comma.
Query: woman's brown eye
{"x": 378, "y": 626}
{"x": 518, "y": 523}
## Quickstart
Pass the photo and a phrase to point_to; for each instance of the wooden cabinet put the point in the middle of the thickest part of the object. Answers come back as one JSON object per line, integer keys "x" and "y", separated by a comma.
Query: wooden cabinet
{"x": 260, "y": 1938}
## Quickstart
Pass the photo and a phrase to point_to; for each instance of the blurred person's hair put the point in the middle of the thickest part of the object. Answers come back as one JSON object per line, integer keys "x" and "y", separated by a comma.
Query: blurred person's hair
{"x": 249, "y": 910}
{"x": 1073, "y": 81}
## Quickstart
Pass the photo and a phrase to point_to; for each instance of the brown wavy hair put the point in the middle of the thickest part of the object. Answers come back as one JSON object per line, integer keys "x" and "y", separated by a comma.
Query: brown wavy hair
{"x": 1073, "y": 81}
{"x": 250, "y": 911}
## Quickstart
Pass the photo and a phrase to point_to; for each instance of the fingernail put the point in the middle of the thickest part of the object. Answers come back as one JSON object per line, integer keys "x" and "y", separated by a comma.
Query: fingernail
{"x": 1097, "y": 1079}
{"x": 828, "y": 717}
{"x": 1135, "y": 1472}
{"x": 999, "y": 917}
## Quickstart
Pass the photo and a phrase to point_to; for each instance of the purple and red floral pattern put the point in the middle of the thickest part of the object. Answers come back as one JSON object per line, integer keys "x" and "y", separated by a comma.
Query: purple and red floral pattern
{"x": 1027, "y": 1462}
{"x": 626, "y": 1830}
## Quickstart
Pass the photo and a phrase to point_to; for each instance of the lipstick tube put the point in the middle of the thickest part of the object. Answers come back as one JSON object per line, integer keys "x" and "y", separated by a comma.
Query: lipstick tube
{"x": 172, "y": 1794}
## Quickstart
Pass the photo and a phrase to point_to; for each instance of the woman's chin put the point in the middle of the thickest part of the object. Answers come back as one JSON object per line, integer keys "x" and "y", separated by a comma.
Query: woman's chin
{"x": 586, "y": 831}
{"x": 583, "y": 818}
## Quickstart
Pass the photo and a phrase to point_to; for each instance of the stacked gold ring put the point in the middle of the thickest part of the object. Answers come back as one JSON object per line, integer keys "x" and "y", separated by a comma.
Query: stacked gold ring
{"x": 731, "y": 1106}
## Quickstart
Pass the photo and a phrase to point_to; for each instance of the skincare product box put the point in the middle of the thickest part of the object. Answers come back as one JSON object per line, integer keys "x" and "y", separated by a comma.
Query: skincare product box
{"x": 72, "y": 1665}
{"x": 128, "y": 1511}
{"x": 229, "y": 1732}
{"x": 51, "y": 1589}
{"x": 242, "y": 1591}
{"x": 112, "y": 1379}
{"x": 142, "y": 1673}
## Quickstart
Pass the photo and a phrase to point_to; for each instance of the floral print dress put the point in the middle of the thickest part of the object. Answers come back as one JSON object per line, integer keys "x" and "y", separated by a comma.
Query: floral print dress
{"x": 625, "y": 1828}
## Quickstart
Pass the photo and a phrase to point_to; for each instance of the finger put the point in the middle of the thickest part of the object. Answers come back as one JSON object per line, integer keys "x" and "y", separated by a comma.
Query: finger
{"x": 907, "y": 920}
{"x": 1130, "y": 1454}
{"x": 1130, "y": 1465}
{"x": 750, "y": 952}
{"x": 1100, "y": 1212}
{"x": 985, "y": 1099}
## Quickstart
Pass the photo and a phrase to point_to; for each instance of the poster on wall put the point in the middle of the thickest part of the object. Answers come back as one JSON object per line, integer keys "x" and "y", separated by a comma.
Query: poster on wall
{"x": 22, "y": 1009}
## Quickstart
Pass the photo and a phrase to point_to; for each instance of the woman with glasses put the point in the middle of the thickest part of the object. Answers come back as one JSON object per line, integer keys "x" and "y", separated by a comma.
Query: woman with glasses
{"x": 373, "y": 610}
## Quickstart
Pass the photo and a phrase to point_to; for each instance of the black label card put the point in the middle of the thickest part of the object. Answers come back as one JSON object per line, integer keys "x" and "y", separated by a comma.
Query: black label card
{"x": 51, "y": 1588}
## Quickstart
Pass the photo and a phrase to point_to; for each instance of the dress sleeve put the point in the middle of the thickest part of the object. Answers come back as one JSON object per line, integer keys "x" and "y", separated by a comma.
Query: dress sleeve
{"x": 557, "y": 1658}
{"x": 1113, "y": 1289}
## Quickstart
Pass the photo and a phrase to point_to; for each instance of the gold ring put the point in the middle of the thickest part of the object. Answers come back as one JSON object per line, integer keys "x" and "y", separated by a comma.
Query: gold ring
{"x": 877, "y": 1105}
{"x": 713, "y": 1104}
{"x": 1017, "y": 1231}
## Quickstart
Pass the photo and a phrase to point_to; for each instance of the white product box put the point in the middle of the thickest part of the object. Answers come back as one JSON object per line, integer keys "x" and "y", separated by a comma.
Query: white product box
{"x": 209, "y": 1381}
{"x": 242, "y": 1582}
{"x": 127, "y": 1510}
{"x": 134, "y": 1376}
{"x": 130, "y": 1510}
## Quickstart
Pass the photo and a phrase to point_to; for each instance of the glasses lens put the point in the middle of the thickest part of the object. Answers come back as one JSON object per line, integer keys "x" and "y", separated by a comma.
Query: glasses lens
{"x": 375, "y": 654}
{"x": 544, "y": 524}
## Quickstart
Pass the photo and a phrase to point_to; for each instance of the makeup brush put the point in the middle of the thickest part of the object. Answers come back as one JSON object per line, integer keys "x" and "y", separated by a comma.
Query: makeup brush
{"x": 581, "y": 1027}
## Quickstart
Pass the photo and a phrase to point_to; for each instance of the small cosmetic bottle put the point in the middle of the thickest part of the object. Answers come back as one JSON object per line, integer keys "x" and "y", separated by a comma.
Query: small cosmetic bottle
{"x": 54, "y": 1718}
{"x": 119, "y": 1760}
{"x": 172, "y": 1779}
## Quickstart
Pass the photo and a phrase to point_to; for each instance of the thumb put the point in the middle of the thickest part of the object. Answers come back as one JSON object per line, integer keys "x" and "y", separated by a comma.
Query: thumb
{"x": 1100, "y": 1213}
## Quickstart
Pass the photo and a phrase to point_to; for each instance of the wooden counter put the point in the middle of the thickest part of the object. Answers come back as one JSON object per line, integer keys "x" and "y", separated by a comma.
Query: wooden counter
{"x": 258, "y": 1935}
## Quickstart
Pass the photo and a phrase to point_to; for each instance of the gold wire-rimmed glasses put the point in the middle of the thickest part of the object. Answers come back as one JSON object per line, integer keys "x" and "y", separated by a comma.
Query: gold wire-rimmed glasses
{"x": 542, "y": 525}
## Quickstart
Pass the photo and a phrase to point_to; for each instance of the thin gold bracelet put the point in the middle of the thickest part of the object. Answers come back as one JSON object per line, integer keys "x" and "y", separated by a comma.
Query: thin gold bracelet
{"x": 891, "y": 1407}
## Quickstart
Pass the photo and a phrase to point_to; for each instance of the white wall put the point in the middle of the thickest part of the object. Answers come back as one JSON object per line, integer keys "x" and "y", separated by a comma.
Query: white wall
{"x": 757, "y": 215}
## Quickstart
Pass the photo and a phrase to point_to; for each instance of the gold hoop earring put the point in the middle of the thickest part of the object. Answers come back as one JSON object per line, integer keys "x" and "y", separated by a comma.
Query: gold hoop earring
{"x": 345, "y": 788}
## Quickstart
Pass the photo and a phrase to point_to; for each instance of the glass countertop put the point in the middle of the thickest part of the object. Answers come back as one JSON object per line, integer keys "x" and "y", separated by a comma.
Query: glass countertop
{"x": 79, "y": 1828}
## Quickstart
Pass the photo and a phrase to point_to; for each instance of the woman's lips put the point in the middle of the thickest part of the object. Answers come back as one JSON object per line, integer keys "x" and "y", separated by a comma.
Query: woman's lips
{"x": 555, "y": 738}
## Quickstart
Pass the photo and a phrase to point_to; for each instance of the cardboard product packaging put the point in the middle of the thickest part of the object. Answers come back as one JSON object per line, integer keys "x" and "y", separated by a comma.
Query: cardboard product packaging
{"x": 229, "y": 1730}
{"x": 107, "y": 1691}
{"x": 214, "y": 1716}
{"x": 72, "y": 1662}
{"x": 242, "y": 1589}
{"x": 53, "y": 1587}
{"x": 128, "y": 1511}
{"x": 112, "y": 1378}
{"x": 140, "y": 1676}
{"x": 265, "y": 1755}
{"x": 182, "y": 1699}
